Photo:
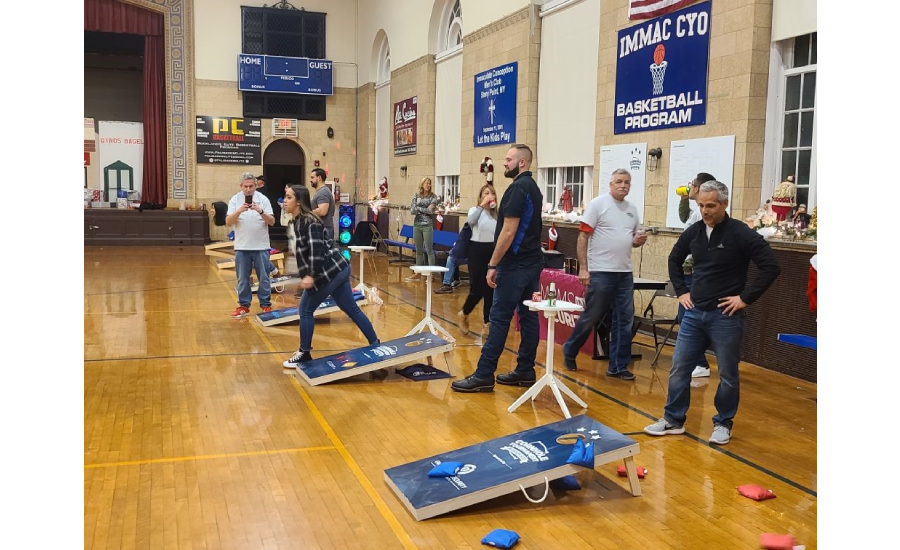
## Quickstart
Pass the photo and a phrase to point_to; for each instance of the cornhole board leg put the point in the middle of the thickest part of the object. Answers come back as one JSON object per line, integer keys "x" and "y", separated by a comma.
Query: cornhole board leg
{"x": 633, "y": 479}
{"x": 505, "y": 465}
{"x": 227, "y": 263}
{"x": 370, "y": 358}
{"x": 216, "y": 249}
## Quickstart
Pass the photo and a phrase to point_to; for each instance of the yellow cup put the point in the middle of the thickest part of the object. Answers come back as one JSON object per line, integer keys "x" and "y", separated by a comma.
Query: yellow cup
{"x": 683, "y": 191}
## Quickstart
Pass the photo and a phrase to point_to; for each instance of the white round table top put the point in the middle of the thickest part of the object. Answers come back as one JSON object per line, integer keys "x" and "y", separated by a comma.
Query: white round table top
{"x": 428, "y": 268}
{"x": 559, "y": 305}
{"x": 361, "y": 248}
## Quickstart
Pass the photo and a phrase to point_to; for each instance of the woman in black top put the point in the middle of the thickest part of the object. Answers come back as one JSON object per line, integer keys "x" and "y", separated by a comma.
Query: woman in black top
{"x": 323, "y": 271}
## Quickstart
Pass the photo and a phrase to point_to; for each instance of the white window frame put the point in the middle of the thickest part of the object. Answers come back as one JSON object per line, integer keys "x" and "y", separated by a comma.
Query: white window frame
{"x": 450, "y": 31}
{"x": 780, "y": 68}
{"x": 553, "y": 180}
{"x": 448, "y": 186}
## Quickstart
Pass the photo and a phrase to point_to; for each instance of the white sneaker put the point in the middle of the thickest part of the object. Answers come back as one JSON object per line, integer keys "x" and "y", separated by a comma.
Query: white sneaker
{"x": 662, "y": 427}
{"x": 700, "y": 372}
{"x": 720, "y": 435}
{"x": 413, "y": 278}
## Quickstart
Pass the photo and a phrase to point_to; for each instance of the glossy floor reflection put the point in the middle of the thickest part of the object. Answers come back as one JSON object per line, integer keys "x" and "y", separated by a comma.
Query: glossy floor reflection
{"x": 194, "y": 436}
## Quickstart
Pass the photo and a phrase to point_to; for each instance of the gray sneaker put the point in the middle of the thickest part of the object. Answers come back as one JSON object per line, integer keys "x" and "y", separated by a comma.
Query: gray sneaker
{"x": 720, "y": 435}
{"x": 663, "y": 427}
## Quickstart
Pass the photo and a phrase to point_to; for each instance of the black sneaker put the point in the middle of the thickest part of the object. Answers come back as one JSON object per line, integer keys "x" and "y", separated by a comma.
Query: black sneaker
{"x": 570, "y": 363}
{"x": 296, "y": 359}
{"x": 516, "y": 378}
{"x": 456, "y": 283}
{"x": 624, "y": 375}
{"x": 472, "y": 384}
{"x": 445, "y": 289}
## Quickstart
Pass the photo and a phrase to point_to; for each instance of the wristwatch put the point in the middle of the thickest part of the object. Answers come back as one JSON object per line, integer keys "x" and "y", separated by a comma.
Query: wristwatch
{"x": 490, "y": 267}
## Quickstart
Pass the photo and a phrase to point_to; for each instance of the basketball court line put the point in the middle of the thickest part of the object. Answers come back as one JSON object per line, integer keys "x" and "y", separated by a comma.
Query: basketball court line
{"x": 367, "y": 486}
{"x": 151, "y": 289}
{"x": 195, "y": 356}
{"x": 206, "y": 457}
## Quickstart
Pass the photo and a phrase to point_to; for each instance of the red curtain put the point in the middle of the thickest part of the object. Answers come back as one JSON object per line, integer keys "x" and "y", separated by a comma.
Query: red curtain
{"x": 114, "y": 16}
{"x": 155, "y": 187}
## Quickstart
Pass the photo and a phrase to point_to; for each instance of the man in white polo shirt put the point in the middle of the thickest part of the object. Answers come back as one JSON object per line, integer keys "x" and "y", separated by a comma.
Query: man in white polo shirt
{"x": 608, "y": 232}
{"x": 250, "y": 212}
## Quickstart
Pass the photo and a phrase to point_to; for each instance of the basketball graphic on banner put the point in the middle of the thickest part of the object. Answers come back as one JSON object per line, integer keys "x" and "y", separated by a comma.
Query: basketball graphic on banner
{"x": 659, "y": 54}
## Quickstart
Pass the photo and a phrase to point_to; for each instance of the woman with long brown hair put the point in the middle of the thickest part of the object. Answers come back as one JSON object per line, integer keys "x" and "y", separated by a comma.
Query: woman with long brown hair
{"x": 483, "y": 221}
{"x": 423, "y": 207}
{"x": 324, "y": 272}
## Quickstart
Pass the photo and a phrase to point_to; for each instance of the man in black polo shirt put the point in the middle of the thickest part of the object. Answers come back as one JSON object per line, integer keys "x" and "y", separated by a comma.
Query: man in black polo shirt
{"x": 514, "y": 272}
{"x": 722, "y": 248}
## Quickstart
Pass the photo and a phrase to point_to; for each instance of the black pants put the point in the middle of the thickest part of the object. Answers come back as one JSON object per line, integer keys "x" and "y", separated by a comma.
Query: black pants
{"x": 479, "y": 256}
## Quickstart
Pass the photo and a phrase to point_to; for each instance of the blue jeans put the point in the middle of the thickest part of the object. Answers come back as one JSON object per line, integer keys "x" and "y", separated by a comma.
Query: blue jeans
{"x": 515, "y": 284}
{"x": 451, "y": 266}
{"x": 689, "y": 281}
{"x": 244, "y": 260}
{"x": 698, "y": 330}
{"x": 270, "y": 267}
{"x": 339, "y": 289}
{"x": 608, "y": 289}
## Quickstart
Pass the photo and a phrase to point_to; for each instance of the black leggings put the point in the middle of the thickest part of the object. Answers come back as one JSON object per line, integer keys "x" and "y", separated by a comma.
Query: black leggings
{"x": 479, "y": 256}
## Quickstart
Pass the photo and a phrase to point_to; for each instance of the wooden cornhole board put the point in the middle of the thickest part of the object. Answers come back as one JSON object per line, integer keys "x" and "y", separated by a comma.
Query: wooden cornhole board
{"x": 507, "y": 464}
{"x": 408, "y": 349}
{"x": 291, "y": 314}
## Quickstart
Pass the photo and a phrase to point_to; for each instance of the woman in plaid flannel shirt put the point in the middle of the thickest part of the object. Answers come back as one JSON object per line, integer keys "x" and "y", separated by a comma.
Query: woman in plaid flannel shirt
{"x": 323, "y": 272}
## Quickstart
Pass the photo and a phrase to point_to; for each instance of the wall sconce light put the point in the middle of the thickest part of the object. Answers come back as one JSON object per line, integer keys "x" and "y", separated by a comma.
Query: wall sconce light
{"x": 403, "y": 171}
{"x": 653, "y": 156}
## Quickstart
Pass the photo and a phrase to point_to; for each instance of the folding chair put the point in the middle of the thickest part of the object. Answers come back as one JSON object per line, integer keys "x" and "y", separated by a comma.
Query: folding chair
{"x": 377, "y": 239}
{"x": 649, "y": 317}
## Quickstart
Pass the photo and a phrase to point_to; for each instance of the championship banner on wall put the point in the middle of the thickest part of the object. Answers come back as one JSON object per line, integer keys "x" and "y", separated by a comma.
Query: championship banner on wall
{"x": 405, "y": 126}
{"x": 227, "y": 140}
{"x": 661, "y": 71}
{"x": 495, "y": 105}
{"x": 121, "y": 153}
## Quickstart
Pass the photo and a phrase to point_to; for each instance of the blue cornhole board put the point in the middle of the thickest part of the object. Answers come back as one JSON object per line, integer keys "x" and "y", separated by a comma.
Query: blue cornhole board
{"x": 289, "y": 314}
{"x": 278, "y": 284}
{"x": 497, "y": 467}
{"x": 414, "y": 347}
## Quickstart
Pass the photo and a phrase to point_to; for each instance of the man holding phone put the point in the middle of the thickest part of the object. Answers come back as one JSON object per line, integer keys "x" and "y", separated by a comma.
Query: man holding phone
{"x": 250, "y": 212}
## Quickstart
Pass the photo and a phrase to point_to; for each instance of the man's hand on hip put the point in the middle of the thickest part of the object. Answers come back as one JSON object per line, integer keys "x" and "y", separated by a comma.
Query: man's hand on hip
{"x": 731, "y": 304}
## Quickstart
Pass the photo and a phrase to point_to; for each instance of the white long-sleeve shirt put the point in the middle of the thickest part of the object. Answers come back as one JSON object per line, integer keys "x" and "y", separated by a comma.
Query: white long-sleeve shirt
{"x": 483, "y": 225}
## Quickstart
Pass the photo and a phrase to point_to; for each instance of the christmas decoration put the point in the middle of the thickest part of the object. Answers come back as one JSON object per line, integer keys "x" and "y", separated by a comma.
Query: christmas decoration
{"x": 553, "y": 236}
{"x": 487, "y": 168}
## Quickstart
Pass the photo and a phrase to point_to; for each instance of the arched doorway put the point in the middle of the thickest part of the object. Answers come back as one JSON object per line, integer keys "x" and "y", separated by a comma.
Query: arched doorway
{"x": 283, "y": 163}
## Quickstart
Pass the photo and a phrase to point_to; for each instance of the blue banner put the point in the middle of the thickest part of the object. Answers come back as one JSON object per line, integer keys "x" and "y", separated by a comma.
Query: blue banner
{"x": 359, "y": 358}
{"x": 502, "y": 460}
{"x": 495, "y": 105}
{"x": 661, "y": 71}
{"x": 292, "y": 75}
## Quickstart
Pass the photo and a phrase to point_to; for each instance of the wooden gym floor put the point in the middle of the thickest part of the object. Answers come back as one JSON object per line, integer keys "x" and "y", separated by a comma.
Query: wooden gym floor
{"x": 195, "y": 438}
